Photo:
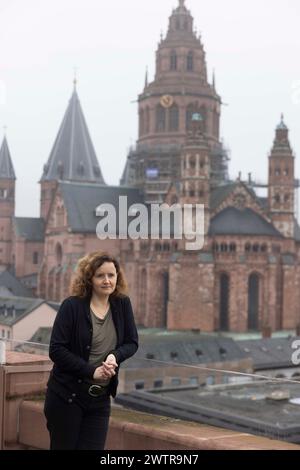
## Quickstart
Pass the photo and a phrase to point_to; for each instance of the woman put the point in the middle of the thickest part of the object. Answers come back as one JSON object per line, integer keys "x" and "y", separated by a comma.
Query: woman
{"x": 94, "y": 332}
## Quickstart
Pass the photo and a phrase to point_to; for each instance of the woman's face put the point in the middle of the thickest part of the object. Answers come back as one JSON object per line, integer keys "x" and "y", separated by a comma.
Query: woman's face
{"x": 104, "y": 280}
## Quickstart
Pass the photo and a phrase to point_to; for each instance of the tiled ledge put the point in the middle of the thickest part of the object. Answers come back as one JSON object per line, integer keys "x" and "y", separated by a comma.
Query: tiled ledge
{"x": 131, "y": 430}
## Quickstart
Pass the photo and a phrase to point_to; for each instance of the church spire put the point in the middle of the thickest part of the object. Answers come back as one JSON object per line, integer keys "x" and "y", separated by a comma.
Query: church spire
{"x": 6, "y": 167}
{"x": 73, "y": 157}
{"x": 182, "y": 21}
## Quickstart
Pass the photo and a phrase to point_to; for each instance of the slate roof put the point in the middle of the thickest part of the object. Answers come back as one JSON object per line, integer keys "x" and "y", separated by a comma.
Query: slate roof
{"x": 269, "y": 353}
{"x": 220, "y": 193}
{"x": 233, "y": 221}
{"x": 82, "y": 199}
{"x": 32, "y": 229}
{"x": 73, "y": 157}
{"x": 184, "y": 348}
{"x": 42, "y": 335}
{"x": 13, "y": 285}
{"x": 6, "y": 167}
{"x": 13, "y": 309}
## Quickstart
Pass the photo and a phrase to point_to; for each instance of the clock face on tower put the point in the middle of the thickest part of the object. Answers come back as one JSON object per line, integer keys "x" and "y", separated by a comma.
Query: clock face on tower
{"x": 166, "y": 101}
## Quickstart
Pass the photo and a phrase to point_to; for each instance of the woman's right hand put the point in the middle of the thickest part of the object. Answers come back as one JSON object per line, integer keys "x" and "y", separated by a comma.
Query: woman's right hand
{"x": 106, "y": 371}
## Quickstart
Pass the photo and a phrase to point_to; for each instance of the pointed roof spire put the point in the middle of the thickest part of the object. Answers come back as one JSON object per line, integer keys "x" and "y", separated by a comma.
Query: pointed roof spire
{"x": 146, "y": 78}
{"x": 181, "y": 7}
{"x": 214, "y": 80}
{"x": 75, "y": 78}
{"x": 73, "y": 157}
{"x": 6, "y": 167}
{"x": 282, "y": 124}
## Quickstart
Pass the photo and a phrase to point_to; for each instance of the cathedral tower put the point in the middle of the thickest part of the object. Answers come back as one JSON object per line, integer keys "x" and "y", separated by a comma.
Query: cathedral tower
{"x": 281, "y": 194}
{"x": 179, "y": 90}
{"x": 7, "y": 204}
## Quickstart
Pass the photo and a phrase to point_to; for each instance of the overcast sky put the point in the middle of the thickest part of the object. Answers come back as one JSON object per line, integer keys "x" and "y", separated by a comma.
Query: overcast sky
{"x": 253, "y": 45}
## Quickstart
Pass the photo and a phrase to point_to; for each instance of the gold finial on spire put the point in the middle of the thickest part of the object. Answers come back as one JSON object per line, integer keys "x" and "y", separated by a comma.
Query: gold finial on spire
{"x": 5, "y": 129}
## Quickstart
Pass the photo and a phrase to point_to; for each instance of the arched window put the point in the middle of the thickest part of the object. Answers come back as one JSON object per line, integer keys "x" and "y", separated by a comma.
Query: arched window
{"x": 160, "y": 119}
{"x": 277, "y": 198}
{"x": 59, "y": 216}
{"x": 224, "y": 247}
{"x": 173, "y": 61}
{"x": 224, "y": 302}
{"x": 174, "y": 118}
{"x": 192, "y": 163}
{"x": 143, "y": 290}
{"x": 247, "y": 247}
{"x": 190, "y": 61}
{"x": 142, "y": 122}
{"x": 147, "y": 120}
{"x": 165, "y": 284}
{"x": 58, "y": 253}
{"x": 192, "y": 191}
{"x": 232, "y": 247}
{"x": 203, "y": 112}
{"x": 189, "y": 114}
{"x": 215, "y": 247}
{"x": 253, "y": 301}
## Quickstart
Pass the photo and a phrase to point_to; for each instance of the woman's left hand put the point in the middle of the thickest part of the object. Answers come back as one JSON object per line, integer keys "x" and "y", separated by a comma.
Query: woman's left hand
{"x": 111, "y": 360}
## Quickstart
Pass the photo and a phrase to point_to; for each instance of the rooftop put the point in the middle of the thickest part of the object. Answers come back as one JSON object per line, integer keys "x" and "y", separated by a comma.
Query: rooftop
{"x": 256, "y": 408}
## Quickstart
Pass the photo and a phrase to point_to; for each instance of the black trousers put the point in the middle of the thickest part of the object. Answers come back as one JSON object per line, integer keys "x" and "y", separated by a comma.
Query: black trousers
{"x": 77, "y": 425}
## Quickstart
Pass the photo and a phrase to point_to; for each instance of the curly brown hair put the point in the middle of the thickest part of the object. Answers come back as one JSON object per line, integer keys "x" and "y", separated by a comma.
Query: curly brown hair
{"x": 82, "y": 284}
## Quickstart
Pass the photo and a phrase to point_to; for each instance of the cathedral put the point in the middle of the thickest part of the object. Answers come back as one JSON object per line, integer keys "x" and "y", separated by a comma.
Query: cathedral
{"x": 246, "y": 277}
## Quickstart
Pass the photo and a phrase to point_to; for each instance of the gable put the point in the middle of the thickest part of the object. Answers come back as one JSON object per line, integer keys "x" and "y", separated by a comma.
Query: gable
{"x": 236, "y": 195}
{"x": 57, "y": 217}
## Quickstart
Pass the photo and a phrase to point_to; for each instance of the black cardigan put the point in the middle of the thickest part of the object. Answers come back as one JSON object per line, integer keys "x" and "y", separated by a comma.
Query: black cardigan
{"x": 71, "y": 341}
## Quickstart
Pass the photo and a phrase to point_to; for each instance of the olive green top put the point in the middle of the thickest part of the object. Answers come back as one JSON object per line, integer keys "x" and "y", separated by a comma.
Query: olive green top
{"x": 104, "y": 340}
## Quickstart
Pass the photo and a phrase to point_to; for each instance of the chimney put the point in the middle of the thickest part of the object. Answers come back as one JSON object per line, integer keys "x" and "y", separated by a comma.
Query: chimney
{"x": 266, "y": 331}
